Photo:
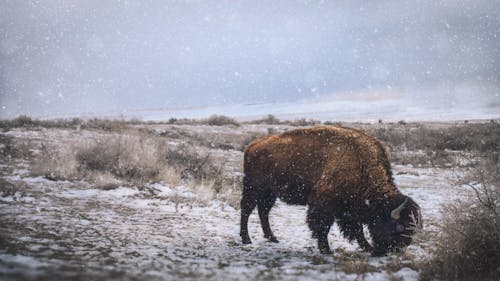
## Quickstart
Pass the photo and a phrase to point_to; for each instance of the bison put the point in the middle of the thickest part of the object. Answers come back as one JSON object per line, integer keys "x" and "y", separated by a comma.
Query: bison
{"x": 343, "y": 175}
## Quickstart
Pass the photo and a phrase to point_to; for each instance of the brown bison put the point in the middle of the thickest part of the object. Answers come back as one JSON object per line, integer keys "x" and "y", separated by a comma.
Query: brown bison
{"x": 342, "y": 174}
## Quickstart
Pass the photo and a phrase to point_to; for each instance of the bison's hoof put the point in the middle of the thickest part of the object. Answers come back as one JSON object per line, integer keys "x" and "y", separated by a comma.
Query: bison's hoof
{"x": 325, "y": 251}
{"x": 273, "y": 239}
{"x": 246, "y": 240}
{"x": 376, "y": 253}
{"x": 368, "y": 249}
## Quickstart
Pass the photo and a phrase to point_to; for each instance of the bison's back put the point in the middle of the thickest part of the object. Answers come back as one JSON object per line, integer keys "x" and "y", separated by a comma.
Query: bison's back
{"x": 295, "y": 162}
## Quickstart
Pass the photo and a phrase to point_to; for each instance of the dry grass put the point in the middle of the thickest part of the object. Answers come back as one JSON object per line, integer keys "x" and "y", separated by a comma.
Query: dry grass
{"x": 128, "y": 158}
{"x": 354, "y": 264}
{"x": 56, "y": 162}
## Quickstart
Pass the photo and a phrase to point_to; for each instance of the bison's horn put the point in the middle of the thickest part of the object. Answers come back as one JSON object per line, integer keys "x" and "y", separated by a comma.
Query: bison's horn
{"x": 420, "y": 222}
{"x": 395, "y": 214}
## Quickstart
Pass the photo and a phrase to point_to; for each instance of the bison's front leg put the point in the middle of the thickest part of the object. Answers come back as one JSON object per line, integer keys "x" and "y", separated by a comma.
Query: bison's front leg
{"x": 320, "y": 222}
{"x": 353, "y": 230}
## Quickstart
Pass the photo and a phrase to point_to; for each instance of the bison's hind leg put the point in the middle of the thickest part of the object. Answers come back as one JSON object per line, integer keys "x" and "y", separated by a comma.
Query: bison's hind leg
{"x": 248, "y": 203}
{"x": 320, "y": 223}
{"x": 264, "y": 206}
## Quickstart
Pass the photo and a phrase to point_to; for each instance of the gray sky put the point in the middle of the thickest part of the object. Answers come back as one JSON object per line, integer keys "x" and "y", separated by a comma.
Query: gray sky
{"x": 63, "y": 57}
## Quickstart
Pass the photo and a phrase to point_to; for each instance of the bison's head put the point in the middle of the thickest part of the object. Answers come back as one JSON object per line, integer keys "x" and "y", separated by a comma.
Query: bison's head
{"x": 394, "y": 227}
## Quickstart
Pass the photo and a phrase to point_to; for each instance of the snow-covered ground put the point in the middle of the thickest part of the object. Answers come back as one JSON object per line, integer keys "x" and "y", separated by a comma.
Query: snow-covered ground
{"x": 53, "y": 230}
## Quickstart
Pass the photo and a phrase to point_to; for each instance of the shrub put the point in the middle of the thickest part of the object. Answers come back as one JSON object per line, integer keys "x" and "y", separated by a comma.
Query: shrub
{"x": 99, "y": 156}
{"x": 304, "y": 122}
{"x": 468, "y": 247}
{"x": 332, "y": 123}
{"x": 55, "y": 162}
{"x": 133, "y": 158}
{"x": 9, "y": 148}
{"x": 23, "y": 121}
{"x": 20, "y": 121}
{"x": 221, "y": 120}
{"x": 269, "y": 120}
{"x": 250, "y": 138}
{"x": 105, "y": 124}
{"x": 272, "y": 131}
{"x": 190, "y": 163}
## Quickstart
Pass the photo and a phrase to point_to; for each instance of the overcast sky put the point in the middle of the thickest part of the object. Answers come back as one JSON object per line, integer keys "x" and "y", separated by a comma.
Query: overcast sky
{"x": 62, "y": 58}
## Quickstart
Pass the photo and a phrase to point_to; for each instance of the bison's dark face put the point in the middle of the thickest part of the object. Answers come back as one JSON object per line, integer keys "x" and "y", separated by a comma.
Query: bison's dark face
{"x": 394, "y": 231}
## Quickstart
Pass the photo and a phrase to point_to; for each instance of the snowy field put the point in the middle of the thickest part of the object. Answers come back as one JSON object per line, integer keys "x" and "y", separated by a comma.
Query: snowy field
{"x": 352, "y": 107}
{"x": 71, "y": 230}
{"x": 74, "y": 230}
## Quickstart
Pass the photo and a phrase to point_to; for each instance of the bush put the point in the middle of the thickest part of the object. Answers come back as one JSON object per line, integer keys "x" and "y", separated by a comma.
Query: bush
{"x": 134, "y": 158}
{"x": 20, "y": 121}
{"x": 304, "y": 122}
{"x": 99, "y": 156}
{"x": 105, "y": 124}
{"x": 468, "y": 246}
{"x": 250, "y": 138}
{"x": 131, "y": 158}
{"x": 125, "y": 157}
{"x": 10, "y": 148}
{"x": 269, "y": 120}
{"x": 221, "y": 120}
{"x": 190, "y": 163}
{"x": 332, "y": 123}
{"x": 55, "y": 162}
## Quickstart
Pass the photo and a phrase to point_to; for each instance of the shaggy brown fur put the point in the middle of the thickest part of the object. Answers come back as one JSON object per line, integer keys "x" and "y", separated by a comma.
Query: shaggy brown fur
{"x": 340, "y": 173}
